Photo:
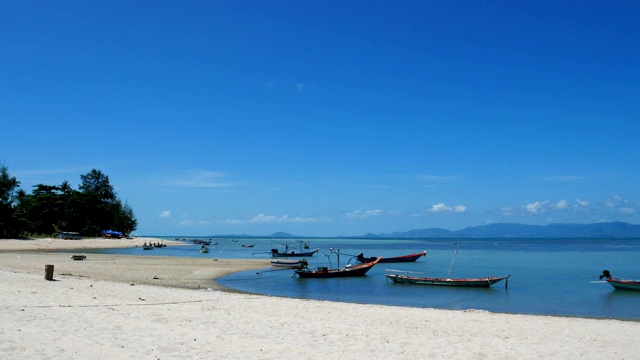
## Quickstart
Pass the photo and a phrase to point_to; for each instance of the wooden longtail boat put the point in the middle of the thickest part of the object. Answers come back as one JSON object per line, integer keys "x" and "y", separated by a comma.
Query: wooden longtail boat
{"x": 394, "y": 259}
{"x": 448, "y": 281}
{"x": 276, "y": 253}
{"x": 347, "y": 271}
{"x": 620, "y": 284}
{"x": 480, "y": 282}
{"x": 289, "y": 264}
{"x": 248, "y": 245}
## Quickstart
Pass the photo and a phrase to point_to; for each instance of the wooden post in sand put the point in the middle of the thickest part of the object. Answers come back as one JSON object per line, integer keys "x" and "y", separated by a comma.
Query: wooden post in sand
{"x": 48, "y": 272}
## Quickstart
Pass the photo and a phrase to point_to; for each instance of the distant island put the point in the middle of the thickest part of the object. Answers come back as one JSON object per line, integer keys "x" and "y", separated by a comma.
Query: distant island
{"x": 601, "y": 230}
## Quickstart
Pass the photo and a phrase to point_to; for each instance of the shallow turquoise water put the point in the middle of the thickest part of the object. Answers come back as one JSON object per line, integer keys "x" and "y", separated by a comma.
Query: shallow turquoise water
{"x": 548, "y": 276}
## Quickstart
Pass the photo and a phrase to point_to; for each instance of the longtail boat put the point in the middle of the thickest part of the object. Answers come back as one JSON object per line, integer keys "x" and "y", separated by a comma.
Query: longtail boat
{"x": 394, "y": 259}
{"x": 289, "y": 264}
{"x": 620, "y": 284}
{"x": 276, "y": 253}
{"x": 465, "y": 282}
{"x": 347, "y": 271}
{"x": 448, "y": 281}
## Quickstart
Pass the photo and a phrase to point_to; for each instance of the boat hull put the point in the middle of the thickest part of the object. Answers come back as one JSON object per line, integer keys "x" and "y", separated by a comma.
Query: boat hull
{"x": 323, "y": 273}
{"x": 293, "y": 254}
{"x": 633, "y": 285}
{"x": 473, "y": 282}
{"x": 284, "y": 264}
{"x": 395, "y": 259}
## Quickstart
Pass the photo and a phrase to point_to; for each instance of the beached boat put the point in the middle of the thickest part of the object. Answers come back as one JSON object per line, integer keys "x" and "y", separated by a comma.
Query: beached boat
{"x": 276, "y": 253}
{"x": 448, "y": 281}
{"x": 110, "y": 234}
{"x": 620, "y": 284}
{"x": 289, "y": 264}
{"x": 347, "y": 271}
{"x": 394, "y": 259}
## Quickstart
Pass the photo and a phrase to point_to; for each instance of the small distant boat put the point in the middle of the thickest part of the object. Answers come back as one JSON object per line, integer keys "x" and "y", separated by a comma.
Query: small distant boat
{"x": 248, "y": 245}
{"x": 203, "y": 250}
{"x": 347, "y": 271}
{"x": 289, "y": 264}
{"x": 146, "y": 246}
{"x": 447, "y": 281}
{"x": 620, "y": 284}
{"x": 394, "y": 259}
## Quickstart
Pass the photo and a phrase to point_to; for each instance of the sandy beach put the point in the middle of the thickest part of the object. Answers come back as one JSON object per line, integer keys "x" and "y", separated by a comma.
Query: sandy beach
{"x": 127, "y": 307}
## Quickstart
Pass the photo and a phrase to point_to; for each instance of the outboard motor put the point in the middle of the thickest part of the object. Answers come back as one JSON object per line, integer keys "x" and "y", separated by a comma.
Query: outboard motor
{"x": 605, "y": 274}
{"x": 274, "y": 251}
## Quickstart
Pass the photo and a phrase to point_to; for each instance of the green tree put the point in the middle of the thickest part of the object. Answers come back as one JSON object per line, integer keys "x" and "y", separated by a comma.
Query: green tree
{"x": 50, "y": 209}
{"x": 8, "y": 191}
{"x": 103, "y": 208}
{"x": 97, "y": 184}
{"x": 125, "y": 219}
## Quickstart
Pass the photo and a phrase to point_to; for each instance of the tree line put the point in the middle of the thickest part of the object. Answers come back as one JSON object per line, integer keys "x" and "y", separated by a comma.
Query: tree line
{"x": 51, "y": 209}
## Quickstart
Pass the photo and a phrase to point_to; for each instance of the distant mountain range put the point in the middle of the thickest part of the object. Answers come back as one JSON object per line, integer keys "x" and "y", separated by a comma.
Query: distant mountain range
{"x": 508, "y": 230}
{"x": 610, "y": 230}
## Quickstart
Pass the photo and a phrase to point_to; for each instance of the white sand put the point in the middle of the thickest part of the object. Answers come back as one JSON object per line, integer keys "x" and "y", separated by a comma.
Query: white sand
{"x": 82, "y": 316}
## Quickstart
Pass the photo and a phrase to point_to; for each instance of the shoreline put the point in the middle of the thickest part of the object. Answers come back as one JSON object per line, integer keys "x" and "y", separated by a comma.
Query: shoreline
{"x": 188, "y": 273}
{"x": 121, "y": 306}
{"x": 149, "y": 268}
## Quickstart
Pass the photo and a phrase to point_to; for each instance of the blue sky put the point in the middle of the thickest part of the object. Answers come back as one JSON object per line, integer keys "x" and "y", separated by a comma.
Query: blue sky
{"x": 326, "y": 118}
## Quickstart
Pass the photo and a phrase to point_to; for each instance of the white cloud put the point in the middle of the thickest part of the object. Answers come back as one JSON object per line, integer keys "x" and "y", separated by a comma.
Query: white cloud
{"x": 442, "y": 208}
{"x": 562, "y": 204}
{"x": 186, "y": 221}
{"x": 536, "y": 207}
{"x": 627, "y": 210}
{"x": 583, "y": 203}
{"x": 364, "y": 214}
{"x": 459, "y": 208}
{"x": 165, "y": 214}
{"x": 270, "y": 219}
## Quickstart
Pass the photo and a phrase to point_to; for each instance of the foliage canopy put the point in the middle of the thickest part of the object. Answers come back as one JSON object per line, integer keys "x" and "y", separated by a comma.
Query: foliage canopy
{"x": 50, "y": 209}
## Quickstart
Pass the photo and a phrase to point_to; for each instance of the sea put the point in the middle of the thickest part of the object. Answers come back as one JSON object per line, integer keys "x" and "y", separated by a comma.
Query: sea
{"x": 557, "y": 277}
